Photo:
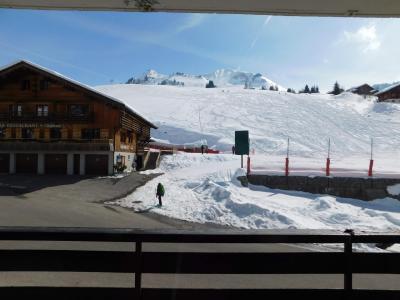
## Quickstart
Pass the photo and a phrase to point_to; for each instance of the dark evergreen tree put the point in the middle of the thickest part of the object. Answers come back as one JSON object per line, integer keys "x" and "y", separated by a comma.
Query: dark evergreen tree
{"x": 210, "y": 84}
{"x": 290, "y": 90}
{"x": 307, "y": 89}
{"x": 337, "y": 89}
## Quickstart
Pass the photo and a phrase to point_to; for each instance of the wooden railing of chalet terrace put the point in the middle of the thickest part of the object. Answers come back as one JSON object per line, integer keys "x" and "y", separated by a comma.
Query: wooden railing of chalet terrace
{"x": 138, "y": 262}
{"x": 50, "y": 117}
{"x": 31, "y": 144}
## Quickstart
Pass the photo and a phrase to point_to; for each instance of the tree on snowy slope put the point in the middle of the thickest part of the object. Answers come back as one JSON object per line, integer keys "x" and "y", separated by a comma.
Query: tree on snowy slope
{"x": 290, "y": 90}
{"x": 273, "y": 88}
{"x": 336, "y": 89}
{"x": 210, "y": 84}
{"x": 306, "y": 90}
{"x": 314, "y": 89}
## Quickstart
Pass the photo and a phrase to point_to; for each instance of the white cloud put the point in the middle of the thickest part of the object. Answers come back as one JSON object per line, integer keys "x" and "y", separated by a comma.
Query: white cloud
{"x": 191, "y": 21}
{"x": 366, "y": 37}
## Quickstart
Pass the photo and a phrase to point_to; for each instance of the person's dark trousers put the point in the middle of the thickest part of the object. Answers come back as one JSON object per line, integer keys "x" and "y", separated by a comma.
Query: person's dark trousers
{"x": 159, "y": 200}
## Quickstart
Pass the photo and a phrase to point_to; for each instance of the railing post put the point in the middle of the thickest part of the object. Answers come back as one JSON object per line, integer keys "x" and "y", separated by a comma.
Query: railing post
{"x": 348, "y": 275}
{"x": 138, "y": 270}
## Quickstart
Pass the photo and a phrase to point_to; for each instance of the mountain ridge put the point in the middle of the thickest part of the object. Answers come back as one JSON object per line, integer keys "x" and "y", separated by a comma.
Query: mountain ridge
{"x": 220, "y": 77}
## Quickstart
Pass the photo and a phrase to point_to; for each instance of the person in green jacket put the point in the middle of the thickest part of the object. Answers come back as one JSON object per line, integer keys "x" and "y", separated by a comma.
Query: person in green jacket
{"x": 160, "y": 193}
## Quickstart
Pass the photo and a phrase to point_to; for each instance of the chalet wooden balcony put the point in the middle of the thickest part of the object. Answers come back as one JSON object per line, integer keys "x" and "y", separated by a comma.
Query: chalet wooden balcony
{"x": 52, "y": 117}
{"x": 56, "y": 145}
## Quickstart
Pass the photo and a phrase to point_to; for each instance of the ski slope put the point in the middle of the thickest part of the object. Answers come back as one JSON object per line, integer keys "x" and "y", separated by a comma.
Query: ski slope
{"x": 189, "y": 114}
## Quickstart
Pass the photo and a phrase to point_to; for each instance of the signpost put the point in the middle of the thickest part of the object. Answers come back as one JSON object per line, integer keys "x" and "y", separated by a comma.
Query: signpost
{"x": 242, "y": 144}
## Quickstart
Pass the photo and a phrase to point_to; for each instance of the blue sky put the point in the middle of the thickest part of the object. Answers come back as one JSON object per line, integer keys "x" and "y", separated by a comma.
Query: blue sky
{"x": 100, "y": 47}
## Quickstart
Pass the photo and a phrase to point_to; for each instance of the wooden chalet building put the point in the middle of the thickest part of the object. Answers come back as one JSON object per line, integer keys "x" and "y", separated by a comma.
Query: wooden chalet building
{"x": 389, "y": 94}
{"x": 50, "y": 124}
{"x": 363, "y": 90}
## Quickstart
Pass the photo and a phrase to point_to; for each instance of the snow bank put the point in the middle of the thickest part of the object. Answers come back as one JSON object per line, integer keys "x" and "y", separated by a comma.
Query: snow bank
{"x": 205, "y": 189}
{"x": 394, "y": 190}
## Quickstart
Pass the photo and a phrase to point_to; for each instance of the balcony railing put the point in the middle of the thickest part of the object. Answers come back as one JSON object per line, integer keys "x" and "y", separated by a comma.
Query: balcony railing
{"x": 50, "y": 117}
{"x": 140, "y": 261}
{"x": 31, "y": 144}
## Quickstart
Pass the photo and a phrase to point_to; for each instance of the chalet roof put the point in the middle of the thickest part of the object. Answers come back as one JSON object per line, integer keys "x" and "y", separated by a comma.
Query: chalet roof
{"x": 355, "y": 88}
{"x": 395, "y": 85}
{"x": 81, "y": 85}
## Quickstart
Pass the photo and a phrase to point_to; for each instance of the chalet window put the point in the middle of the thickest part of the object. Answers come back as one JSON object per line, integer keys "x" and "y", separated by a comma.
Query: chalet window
{"x": 13, "y": 133}
{"x": 130, "y": 137}
{"x": 123, "y": 137}
{"x": 42, "y": 110}
{"x": 19, "y": 110}
{"x": 27, "y": 133}
{"x": 44, "y": 84}
{"x": 90, "y": 133}
{"x": 15, "y": 110}
{"x": 78, "y": 110}
{"x": 25, "y": 85}
{"x": 55, "y": 133}
{"x": 2, "y": 133}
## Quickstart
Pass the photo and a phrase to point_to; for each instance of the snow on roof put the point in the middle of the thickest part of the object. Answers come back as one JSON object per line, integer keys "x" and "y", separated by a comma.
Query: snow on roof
{"x": 80, "y": 84}
{"x": 388, "y": 88}
{"x": 355, "y": 88}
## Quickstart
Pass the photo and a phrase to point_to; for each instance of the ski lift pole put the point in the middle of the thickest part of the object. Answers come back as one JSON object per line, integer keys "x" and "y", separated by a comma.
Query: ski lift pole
{"x": 248, "y": 165}
{"x": 287, "y": 159}
{"x": 328, "y": 159}
{"x": 371, "y": 161}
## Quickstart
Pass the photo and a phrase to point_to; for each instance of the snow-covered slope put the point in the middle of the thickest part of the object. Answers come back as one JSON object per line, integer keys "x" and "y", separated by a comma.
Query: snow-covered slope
{"x": 190, "y": 114}
{"x": 221, "y": 77}
{"x": 204, "y": 188}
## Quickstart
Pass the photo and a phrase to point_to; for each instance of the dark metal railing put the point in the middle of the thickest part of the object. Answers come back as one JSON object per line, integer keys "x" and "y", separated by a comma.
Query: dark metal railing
{"x": 139, "y": 262}
{"x": 50, "y": 117}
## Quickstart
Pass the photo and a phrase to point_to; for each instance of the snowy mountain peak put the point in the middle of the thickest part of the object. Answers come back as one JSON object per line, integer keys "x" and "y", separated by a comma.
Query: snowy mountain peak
{"x": 220, "y": 77}
{"x": 153, "y": 74}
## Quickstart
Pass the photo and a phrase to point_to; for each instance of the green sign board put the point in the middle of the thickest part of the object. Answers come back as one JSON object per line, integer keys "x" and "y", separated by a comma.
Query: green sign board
{"x": 242, "y": 142}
